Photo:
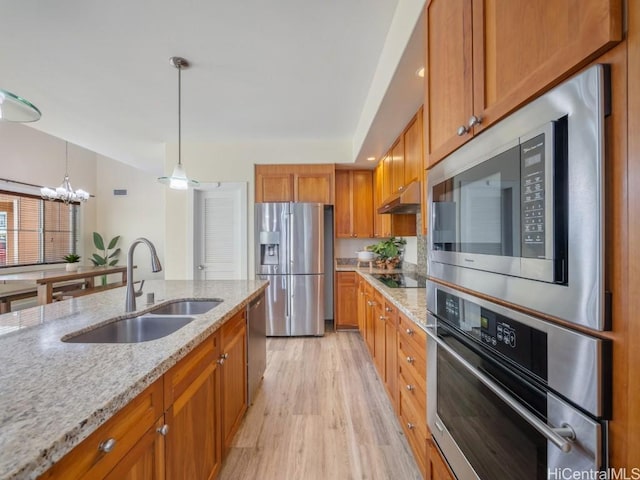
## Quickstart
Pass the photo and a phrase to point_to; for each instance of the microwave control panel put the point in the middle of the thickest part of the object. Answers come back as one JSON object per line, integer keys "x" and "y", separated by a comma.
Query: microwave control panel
{"x": 532, "y": 190}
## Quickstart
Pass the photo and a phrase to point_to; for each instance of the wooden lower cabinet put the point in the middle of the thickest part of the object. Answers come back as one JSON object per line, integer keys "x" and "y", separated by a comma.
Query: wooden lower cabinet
{"x": 112, "y": 443}
{"x": 437, "y": 468}
{"x": 145, "y": 461}
{"x": 379, "y": 333}
{"x": 346, "y": 300}
{"x": 391, "y": 352}
{"x": 398, "y": 348}
{"x": 362, "y": 306}
{"x": 234, "y": 376}
{"x": 180, "y": 427}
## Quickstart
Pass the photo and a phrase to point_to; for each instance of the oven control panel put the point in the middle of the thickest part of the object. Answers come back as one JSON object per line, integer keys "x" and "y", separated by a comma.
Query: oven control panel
{"x": 522, "y": 344}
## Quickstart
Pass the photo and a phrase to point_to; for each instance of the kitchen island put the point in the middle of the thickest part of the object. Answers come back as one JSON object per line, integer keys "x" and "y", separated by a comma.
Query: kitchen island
{"x": 55, "y": 394}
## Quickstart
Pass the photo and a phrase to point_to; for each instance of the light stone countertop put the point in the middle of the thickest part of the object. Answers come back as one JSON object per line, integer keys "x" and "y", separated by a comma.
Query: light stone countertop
{"x": 410, "y": 301}
{"x": 54, "y": 394}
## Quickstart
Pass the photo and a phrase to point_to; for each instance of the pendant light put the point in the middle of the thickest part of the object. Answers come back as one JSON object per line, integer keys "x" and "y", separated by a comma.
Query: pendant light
{"x": 64, "y": 192}
{"x": 16, "y": 109}
{"x": 178, "y": 179}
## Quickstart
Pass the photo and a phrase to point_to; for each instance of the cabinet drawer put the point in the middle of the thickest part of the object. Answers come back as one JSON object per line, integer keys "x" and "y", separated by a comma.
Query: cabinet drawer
{"x": 411, "y": 359}
{"x": 414, "y": 425}
{"x": 413, "y": 389}
{"x": 412, "y": 333}
{"x": 88, "y": 460}
{"x": 233, "y": 327}
{"x": 182, "y": 374}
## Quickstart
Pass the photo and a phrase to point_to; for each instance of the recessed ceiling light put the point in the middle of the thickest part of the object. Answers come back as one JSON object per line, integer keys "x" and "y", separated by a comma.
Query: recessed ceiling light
{"x": 371, "y": 159}
{"x": 420, "y": 72}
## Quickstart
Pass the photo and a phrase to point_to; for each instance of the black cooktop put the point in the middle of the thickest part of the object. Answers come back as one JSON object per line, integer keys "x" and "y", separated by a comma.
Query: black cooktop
{"x": 402, "y": 280}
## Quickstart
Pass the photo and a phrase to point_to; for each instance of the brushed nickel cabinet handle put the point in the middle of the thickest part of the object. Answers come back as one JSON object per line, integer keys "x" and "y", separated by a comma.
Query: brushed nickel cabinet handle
{"x": 462, "y": 130}
{"x": 163, "y": 430}
{"x": 410, "y": 360}
{"x": 411, "y": 388}
{"x": 108, "y": 445}
{"x": 473, "y": 120}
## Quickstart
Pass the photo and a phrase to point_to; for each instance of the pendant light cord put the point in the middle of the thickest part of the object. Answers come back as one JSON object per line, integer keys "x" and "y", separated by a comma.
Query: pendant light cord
{"x": 179, "y": 114}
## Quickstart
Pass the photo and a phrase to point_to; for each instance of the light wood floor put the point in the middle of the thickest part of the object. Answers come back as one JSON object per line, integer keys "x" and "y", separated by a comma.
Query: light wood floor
{"x": 321, "y": 413}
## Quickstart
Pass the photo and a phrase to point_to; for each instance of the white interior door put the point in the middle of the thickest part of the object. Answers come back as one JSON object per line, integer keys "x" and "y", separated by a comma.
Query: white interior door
{"x": 220, "y": 232}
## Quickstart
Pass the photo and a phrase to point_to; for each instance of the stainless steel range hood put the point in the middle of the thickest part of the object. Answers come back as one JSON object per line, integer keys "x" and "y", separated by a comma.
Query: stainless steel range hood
{"x": 406, "y": 201}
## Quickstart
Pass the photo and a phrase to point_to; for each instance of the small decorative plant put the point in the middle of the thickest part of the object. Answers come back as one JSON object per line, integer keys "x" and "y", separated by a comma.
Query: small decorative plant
{"x": 388, "y": 251}
{"x": 71, "y": 258}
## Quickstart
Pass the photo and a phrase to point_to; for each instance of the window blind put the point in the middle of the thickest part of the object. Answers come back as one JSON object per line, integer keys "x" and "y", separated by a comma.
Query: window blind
{"x": 35, "y": 231}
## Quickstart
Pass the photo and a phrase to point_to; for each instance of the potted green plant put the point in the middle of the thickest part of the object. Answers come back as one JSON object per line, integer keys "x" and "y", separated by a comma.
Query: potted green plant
{"x": 389, "y": 252}
{"x": 72, "y": 260}
{"x": 106, "y": 257}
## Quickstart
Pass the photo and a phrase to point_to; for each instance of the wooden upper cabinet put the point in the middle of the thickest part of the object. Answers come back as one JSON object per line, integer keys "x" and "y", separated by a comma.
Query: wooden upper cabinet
{"x": 354, "y": 203}
{"x": 486, "y": 58}
{"x": 387, "y": 183}
{"x": 397, "y": 166}
{"x": 295, "y": 183}
{"x": 313, "y": 187}
{"x": 413, "y": 150}
{"x": 381, "y": 222}
{"x": 448, "y": 75}
{"x": 274, "y": 187}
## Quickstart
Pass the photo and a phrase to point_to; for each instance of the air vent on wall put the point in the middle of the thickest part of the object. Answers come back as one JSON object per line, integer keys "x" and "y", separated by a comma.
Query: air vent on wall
{"x": 119, "y": 191}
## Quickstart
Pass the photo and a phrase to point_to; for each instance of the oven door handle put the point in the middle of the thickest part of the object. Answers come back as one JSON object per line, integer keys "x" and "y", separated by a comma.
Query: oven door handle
{"x": 557, "y": 436}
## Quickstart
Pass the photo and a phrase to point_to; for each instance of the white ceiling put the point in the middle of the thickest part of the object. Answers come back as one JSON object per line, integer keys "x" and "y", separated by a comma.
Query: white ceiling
{"x": 260, "y": 70}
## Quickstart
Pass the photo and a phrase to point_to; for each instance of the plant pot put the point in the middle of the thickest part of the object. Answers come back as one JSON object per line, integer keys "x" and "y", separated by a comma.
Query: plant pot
{"x": 71, "y": 267}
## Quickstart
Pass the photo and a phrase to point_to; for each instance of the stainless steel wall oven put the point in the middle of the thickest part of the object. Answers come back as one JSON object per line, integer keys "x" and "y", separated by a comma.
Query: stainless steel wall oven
{"x": 517, "y": 213}
{"x": 511, "y": 396}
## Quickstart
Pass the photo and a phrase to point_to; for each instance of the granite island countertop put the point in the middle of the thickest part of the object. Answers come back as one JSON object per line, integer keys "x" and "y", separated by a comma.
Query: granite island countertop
{"x": 412, "y": 302}
{"x": 54, "y": 394}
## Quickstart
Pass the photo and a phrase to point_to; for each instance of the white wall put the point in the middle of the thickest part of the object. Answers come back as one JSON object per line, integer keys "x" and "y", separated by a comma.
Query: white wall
{"x": 30, "y": 156}
{"x": 233, "y": 162}
{"x": 141, "y": 213}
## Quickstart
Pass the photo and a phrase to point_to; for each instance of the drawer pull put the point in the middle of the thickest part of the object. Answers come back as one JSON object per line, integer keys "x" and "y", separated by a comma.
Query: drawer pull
{"x": 410, "y": 426}
{"x": 108, "y": 445}
{"x": 410, "y": 331}
{"x": 220, "y": 361}
{"x": 410, "y": 360}
{"x": 383, "y": 318}
{"x": 388, "y": 309}
{"x": 411, "y": 388}
{"x": 163, "y": 430}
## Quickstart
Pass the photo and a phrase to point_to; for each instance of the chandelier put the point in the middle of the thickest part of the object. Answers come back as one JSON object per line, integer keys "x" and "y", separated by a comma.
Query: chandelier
{"x": 178, "y": 179}
{"x": 65, "y": 192}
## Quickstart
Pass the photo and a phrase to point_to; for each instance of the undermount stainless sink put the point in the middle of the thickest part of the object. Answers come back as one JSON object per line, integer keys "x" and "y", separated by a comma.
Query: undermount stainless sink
{"x": 186, "y": 307}
{"x": 133, "y": 330}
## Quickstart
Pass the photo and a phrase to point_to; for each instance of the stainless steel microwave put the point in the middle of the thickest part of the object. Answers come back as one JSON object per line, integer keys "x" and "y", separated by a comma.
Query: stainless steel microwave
{"x": 517, "y": 213}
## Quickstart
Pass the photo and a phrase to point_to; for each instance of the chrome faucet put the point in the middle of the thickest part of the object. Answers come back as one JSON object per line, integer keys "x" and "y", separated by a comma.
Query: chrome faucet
{"x": 130, "y": 300}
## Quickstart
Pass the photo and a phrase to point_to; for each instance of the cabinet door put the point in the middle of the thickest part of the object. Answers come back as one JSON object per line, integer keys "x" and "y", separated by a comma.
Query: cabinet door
{"x": 397, "y": 166}
{"x": 391, "y": 353}
{"x": 362, "y": 203}
{"x": 413, "y": 150}
{"x": 379, "y": 332}
{"x": 381, "y": 223}
{"x": 369, "y": 319}
{"x": 342, "y": 210}
{"x": 274, "y": 187}
{"x": 448, "y": 75}
{"x": 145, "y": 461}
{"x": 387, "y": 186}
{"x": 125, "y": 429}
{"x": 362, "y": 307}
{"x": 438, "y": 468}
{"x": 346, "y": 300}
{"x": 522, "y": 47}
{"x": 193, "y": 447}
{"x": 233, "y": 377}
{"x": 316, "y": 188}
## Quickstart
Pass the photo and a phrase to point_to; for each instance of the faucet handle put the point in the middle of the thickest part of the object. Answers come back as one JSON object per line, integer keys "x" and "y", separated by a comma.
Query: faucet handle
{"x": 139, "y": 291}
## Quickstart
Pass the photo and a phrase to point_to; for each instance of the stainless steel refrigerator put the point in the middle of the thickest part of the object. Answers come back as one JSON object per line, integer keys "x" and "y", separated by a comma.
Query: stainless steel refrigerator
{"x": 290, "y": 254}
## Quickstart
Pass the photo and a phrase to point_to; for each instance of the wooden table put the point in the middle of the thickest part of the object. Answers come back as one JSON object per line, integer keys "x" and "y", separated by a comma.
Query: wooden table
{"x": 45, "y": 279}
